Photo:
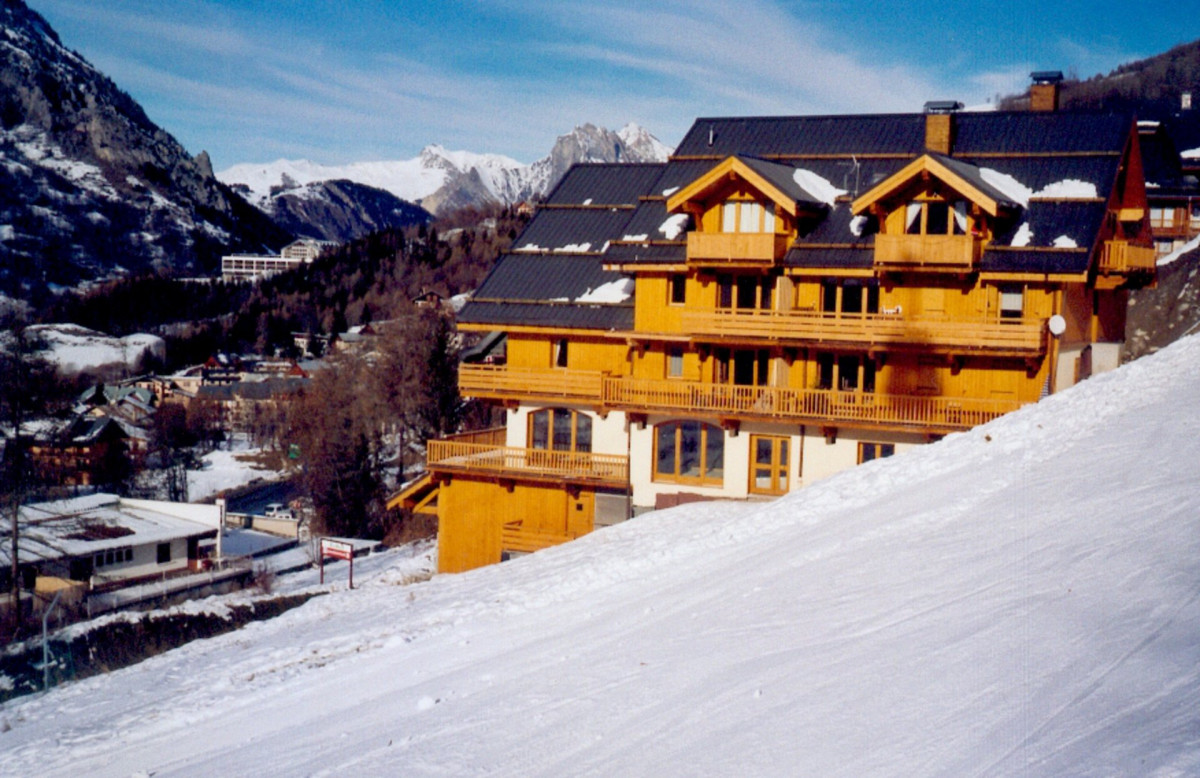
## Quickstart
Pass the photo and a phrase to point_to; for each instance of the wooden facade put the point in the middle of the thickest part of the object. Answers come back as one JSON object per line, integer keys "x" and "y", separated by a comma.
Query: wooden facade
{"x": 784, "y": 325}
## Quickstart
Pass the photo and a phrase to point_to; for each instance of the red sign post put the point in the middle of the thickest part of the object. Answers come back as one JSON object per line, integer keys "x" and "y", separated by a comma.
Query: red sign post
{"x": 337, "y": 549}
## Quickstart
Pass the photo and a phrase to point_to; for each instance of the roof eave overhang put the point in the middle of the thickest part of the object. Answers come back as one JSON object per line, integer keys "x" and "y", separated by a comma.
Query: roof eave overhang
{"x": 720, "y": 173}
{"x": 927, "y": 164}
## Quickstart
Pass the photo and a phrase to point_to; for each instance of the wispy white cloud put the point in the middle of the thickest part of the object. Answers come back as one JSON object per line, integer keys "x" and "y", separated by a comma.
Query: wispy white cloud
{"x": 253, "y": 82}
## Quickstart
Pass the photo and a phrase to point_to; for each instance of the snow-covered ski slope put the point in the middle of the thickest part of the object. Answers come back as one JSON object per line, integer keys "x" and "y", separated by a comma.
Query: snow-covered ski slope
{"x": 1022, "y": 599}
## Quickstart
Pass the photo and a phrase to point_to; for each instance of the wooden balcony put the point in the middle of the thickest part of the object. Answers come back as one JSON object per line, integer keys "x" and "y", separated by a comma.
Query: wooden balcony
{"x": 1009, "y": 337}
{"x": 502, "y": 382}
{"x": 736, "y": 248}
{"x": 576, "y": 467}
{"x": 942, "y": 253}
{"x": 1121, "y": 256}
{"x": 492, "y": 436}
{"x": 809, "y": 406}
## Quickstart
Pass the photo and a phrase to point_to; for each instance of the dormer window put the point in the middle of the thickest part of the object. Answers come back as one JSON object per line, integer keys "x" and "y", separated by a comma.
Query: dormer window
{"x": 747, "y": 216}
{"x": 936, "y": 217}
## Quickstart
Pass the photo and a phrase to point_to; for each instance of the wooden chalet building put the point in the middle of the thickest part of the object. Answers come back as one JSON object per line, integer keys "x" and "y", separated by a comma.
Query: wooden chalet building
{"x": 783, "y": 299}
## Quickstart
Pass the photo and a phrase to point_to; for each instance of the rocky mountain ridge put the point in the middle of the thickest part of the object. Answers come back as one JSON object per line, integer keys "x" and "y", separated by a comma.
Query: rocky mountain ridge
{"x": 338, "y": 210}
{"x": 89, "y": 185}
{"x": 441, "y": 180}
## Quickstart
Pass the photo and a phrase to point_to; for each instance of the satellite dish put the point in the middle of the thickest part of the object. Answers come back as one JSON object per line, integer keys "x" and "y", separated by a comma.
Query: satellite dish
{"x": 1058, "y": 325}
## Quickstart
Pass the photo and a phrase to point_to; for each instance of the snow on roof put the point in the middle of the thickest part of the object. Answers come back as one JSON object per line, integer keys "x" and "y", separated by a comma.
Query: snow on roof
{"x": 617, "y": 291}
{"x": 1179, "y": 252}
{"x": 1067, "y": 189}
{"x": 673, "y": 226}
{"x": 1012, "y": 188}
{"x": 83, "y": 525}
{"x": 817, "y": 185}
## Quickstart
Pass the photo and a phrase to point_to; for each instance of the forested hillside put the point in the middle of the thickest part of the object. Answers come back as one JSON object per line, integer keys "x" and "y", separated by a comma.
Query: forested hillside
{"x": 1152, "y": 87}
{"x": 371, "y": 279}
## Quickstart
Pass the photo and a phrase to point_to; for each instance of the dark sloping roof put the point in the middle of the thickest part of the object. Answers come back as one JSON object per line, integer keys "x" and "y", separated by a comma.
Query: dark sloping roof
{"x": 543, "y": 277}
{"x": 1047, "y": 221}
{"x": 584, "y": 229}
{"x": 1034, "y": 261}
{"x": 675, "y": 254}
{"x": 605, "y": 184}
{"x": 648, "y": 220}
{"x": 835, "y": 257}
{"x": 974, "y": 175}
{"x": 783, "y": 178}
{"x": 838, "y": 227}
{"x": 806, "y": 135}
{"x": 1040, "y": 132}
{"x": 571, "y": 315}
{"x": 543, "y": 290}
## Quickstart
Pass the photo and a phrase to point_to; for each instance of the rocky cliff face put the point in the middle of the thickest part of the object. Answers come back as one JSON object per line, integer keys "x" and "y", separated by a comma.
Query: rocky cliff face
{"x": 586, "y": 143}
{"x": 89, "y": 186}
{"x": 1166, "y": 312}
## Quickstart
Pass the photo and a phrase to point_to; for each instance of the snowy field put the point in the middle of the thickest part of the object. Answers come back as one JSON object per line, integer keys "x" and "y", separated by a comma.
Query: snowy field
{"x": 222, "y": 470}
{"x": 1022, "y": 599}
{"x": 73, "y": 349}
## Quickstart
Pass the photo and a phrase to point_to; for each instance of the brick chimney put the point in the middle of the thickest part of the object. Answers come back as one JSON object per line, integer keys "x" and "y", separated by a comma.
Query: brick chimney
{"x": 1043, "y": 95}
{"x": 939, "y": 125}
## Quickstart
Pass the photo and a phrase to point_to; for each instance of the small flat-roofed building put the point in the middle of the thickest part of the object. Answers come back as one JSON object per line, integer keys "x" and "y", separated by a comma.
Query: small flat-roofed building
{"x": 109, "y": 541}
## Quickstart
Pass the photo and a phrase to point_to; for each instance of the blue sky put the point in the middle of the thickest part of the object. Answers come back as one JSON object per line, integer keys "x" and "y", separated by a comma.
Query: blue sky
{"x": 338, "y": 81}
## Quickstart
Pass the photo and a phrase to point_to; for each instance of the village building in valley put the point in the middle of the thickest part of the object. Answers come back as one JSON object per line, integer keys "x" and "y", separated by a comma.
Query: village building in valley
{"x": 783, "y": 299}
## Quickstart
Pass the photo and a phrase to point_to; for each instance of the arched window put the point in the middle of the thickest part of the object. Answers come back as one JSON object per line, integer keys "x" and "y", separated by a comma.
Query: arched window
{"x": 560, "y": 429}
{"x": 689, "y": 451}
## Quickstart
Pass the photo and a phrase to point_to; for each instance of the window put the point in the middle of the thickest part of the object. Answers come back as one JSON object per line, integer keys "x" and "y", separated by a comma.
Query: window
{"x": 935, "y": 217}
{"x": 742, "y": 367}
{"x": 869, "y": 451}
{"x": 689, "y": 451}
{"x": 846, "y": 372}
{"x": 769, "y": 471}
{"x": 164, "y": 553}
{"x": 678, "y": 289}
{"x": 560, "y": 353}
{"x": 1012, "y": 301}
{"x": 675, "y": 362}
{"x": 1162, "y": 217}
{"x": 560, "y": 429}
{"x": 748, "y": 292}
{"x": 849, "y": 297}
{"x": 747, "y": 216}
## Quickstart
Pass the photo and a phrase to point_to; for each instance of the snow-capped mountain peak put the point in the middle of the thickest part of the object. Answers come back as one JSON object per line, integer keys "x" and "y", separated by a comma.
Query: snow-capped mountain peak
{"x": 440, "y": 179}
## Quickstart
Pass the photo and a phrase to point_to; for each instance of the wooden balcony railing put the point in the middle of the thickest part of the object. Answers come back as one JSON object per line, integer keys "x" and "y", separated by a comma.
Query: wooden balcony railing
{"x": 817, "y": 406}
{"x": 450, "y": 456}
{"x": 492, "y": 436}
{"x": 927, "y": 252}
{"x": 736, "y": 247}
{"x": 1018, "y": 337}
{"x": 1120, "y": 256}
{"x": 503, "y": 382}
